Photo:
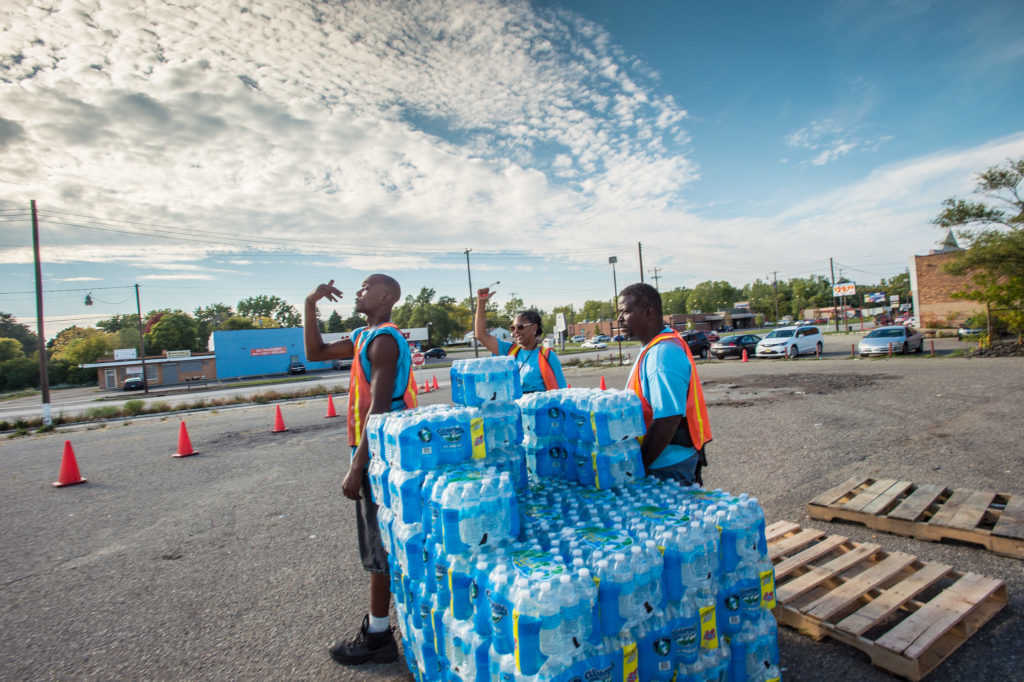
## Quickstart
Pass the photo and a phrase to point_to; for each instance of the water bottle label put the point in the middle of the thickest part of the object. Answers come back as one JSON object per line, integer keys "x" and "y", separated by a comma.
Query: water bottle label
{"x": 630, "y": 663}
{"x": 768, "y": 589}
{"x": 773, "y": 679}
{"x": 708, "y": 628}
{"x": 597, "y": 476}
{"x": 476, "y": 432}
{"x": 537, "y": 563}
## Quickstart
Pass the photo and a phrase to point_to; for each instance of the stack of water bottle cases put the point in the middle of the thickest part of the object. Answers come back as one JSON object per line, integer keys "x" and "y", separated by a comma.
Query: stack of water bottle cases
{"x": 525, "y": 543}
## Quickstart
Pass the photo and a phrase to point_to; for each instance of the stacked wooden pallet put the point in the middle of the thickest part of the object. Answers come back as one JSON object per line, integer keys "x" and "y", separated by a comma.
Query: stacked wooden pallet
{"x": 908, "y": 615}
{"x": 928, "y": 512}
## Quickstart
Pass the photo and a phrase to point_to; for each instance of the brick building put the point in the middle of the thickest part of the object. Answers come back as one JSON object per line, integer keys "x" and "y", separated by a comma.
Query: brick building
{"x": 933, "y": 288}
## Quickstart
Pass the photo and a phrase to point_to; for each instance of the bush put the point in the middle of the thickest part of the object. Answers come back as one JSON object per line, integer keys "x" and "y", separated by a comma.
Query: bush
{"x": 19, "y": 373}
{"x": 133, "y": 407}
{"x": 159, "y": 406}
{"x": 105, "y": 412}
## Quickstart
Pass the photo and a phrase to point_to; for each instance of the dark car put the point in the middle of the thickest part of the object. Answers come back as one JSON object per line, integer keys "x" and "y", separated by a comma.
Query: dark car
{"x": 436, "y": 352}
{"x": 620, "y": 337}
{"x": 699, "y": 344}
{"x": 602, "y": 337}
{"x": 733, "y": 345}
{"x": 296, "y": 367}
{"x": 133, "y": 384}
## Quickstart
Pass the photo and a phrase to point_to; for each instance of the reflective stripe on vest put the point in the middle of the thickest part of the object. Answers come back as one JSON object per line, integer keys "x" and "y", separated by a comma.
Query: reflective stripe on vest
{"x": 360, "y": 398}
{"x": 697, "y": 421}
{"x": 546, "y": 373}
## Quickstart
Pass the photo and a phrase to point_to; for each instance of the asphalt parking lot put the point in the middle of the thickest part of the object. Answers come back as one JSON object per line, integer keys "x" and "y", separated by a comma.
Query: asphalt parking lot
{"x": 240, "y": 562}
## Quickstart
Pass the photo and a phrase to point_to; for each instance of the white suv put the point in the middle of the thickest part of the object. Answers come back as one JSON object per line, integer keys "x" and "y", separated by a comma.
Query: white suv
{"x": 790, "y": 342}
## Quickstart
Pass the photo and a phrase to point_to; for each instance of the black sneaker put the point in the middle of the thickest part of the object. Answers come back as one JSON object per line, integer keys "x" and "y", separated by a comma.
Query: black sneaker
{"x": 366, "y": 647}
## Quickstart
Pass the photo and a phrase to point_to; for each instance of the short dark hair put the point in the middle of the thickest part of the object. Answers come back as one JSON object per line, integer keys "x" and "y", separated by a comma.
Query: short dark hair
{"x": 644, "y": 294}
{"x": 532, "y": 317}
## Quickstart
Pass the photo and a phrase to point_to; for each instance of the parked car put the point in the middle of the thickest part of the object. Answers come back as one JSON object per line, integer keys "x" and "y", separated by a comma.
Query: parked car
{"x": 579, "y": 338}
{"x": 699, "y": 344}
{"x": 734, "y": 345}
{"x": 603, "y": 337}
{"x": 296, "y": 367}
{"x": 133, "y": 384}
{"x": 791, "y": 342}
{"x": 593, "y": 344}
{"x": 436, "y": 352}
{"x": 963, "y": 332}
{"x": 712, "y": 335}
{"x": 342, "y": 364}
{"x": 900, "y": 338}
{"x": 620, "y": 337}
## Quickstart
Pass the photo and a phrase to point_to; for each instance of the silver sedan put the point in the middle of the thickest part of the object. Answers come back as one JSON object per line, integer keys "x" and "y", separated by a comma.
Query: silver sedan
{"x": 899, "y": 338}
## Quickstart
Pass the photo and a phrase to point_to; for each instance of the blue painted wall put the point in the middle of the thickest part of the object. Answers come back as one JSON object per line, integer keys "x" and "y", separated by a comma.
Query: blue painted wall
{"x": 235, "y": 358}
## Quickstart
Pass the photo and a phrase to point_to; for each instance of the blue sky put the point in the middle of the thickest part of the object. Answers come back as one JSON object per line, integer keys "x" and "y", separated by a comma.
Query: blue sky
{"x": 237, "y": 149}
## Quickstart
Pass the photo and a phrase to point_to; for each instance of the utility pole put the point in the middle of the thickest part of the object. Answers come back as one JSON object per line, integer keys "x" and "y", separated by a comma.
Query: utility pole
{"x": 657, "y": 277}
{"x": 142, "y": 341}
{"x": 472, "y": 304}
{"x": 640, "y": 253}
{"x": 835, "y": 312}
{"x": 44, "y": 378}
{"x": 775, "y": 294}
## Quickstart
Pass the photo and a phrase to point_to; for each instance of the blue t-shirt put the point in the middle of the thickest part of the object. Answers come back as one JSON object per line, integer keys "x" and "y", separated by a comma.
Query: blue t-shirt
{"x": 665, "y": 380}
{"x": 404, "y": 359}
{"x": 529, "y": 368}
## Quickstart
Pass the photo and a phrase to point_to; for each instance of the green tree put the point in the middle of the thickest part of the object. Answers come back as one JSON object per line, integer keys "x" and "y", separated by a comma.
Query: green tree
{"x": 421, "y": 311}
{"x": 86, "y": 349}
{"x": 210, "y": 318}
{"x": 11, "y": 329}
{"x": 175, "y": 331}
{"x": 673, "y": 301}
{"x": 65, "y": 336}
{"x": 257, "y": 307}
{"x": 709, "y": 296}
{"x": 10, "y": 349}
{"x": 513, "y": 305}
{"x": 18, "y": 373}
{"x": 237, "y": 322}
{"x": 334, "y": 323}
{"x": 597, "y": 310}
{"x": 994, "y": 260}
{"x": 118, "y": 322}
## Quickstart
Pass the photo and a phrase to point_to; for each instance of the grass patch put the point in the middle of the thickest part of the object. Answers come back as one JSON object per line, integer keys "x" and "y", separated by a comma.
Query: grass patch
{"x": 133, "y": 407}
{"x": 103, "y": 412}
{"x": 266, "y": 382}
{"x": 19, "y": 394}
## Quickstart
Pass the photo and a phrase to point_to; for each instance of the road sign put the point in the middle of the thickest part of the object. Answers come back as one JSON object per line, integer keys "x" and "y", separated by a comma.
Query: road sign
{"x": 418, "y": 359}
{"x": 560, "y": 323}
{"x": 894, "y": 299}
{"x": 844, "y": 289}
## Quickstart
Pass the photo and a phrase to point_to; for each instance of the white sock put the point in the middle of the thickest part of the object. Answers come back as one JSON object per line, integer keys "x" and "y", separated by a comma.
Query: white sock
{"x": 379, "y": 624}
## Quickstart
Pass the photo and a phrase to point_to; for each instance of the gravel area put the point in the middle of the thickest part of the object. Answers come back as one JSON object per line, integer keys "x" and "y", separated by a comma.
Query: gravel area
{"x": 240, "y": 562}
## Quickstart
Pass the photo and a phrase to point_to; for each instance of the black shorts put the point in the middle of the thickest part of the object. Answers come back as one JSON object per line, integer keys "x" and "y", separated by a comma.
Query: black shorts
{"x": 371, "y": 547}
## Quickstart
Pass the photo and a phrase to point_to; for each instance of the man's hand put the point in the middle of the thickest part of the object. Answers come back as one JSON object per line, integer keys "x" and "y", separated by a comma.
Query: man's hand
{"x": 353, "y": 483}
{"x": 327, "y": 291}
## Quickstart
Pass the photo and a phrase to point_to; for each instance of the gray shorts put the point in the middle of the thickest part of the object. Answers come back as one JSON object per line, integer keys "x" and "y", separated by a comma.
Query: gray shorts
{"x": 685, "y": 472}
{"x": 371, "y": 547}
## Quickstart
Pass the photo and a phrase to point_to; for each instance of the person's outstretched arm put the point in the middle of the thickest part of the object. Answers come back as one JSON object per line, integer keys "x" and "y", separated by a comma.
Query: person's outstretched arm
{"x": 480, "y": 322}
{"x": 316, "y": 349}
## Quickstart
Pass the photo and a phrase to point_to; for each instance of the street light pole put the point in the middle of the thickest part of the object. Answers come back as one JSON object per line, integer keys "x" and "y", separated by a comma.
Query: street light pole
{"x": 615, "y": 297}
{"x": 472, "y": 305}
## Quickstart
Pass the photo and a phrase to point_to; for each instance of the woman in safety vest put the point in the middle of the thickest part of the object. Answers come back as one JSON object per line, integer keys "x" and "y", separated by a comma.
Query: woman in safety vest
{"x": 539, "y": 367}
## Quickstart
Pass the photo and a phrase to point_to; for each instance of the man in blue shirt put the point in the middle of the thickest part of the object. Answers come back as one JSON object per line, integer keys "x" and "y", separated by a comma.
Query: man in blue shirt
{"x": 663, "y": 377}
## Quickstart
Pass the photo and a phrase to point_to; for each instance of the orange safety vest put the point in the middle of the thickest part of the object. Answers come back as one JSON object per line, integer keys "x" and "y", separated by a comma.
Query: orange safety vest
{"x": 359, "y": 397}
{"x": 546, "y": 373}
{"x": 696, "y": 409}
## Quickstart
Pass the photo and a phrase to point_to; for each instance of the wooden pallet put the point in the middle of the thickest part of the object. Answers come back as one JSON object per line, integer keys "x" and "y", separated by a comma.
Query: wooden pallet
{"x": 908, "y": 615}
{"x": 928, "y": 512}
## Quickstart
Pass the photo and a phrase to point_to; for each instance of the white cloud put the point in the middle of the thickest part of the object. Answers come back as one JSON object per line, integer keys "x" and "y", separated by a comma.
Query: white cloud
{"x": 79, "y": 279}
{"x": 178, "y": 276}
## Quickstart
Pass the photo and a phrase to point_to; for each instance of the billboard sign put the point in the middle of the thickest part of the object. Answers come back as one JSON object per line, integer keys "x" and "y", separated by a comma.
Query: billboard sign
{"x": 125, "y": 354}
{"x": 844, "y": 289}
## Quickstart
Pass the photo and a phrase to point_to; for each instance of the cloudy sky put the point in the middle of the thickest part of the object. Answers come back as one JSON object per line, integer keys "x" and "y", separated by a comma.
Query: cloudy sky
{"x": 215, "y": 150}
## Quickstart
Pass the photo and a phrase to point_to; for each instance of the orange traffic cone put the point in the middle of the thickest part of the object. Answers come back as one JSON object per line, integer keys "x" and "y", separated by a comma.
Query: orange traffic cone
{"x": 604, "y": 386}
{"x": 745, "y": 358}
{"x": 69, "y": 474}
{"x": 330, "y": 408}
{"x": 184, "y": 443}
{"x": 279, "y": 426}
{"x": 435, "y": 387}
